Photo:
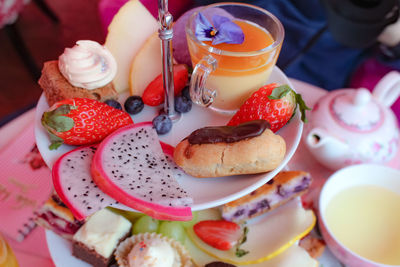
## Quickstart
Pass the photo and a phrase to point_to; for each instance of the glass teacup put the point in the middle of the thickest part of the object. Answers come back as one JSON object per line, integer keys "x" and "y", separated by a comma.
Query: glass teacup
{"x": 225, "y": 75}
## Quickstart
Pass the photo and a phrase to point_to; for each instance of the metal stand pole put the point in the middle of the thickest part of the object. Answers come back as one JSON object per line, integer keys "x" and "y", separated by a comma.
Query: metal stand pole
{"x": 165, "y": 33}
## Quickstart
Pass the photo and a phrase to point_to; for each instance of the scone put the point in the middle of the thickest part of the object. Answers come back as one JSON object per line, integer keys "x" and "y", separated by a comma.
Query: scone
{"x": 285, "y": 186}
{"x": 55, "y": 216}
{"x": 230, "y": 150}
{"x": 84, "y": 71}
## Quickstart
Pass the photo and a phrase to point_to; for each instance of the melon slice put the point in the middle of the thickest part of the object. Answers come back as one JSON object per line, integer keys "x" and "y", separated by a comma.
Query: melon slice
{"x": 146, "y": 65}
{"x": 293, "y": 256}
{"x": 128, "y": 31}
{"x": 268, "y": 235}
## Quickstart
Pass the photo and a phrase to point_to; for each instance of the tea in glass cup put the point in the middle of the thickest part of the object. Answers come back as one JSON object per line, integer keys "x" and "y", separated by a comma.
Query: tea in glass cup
{"x": 226, "y": 74}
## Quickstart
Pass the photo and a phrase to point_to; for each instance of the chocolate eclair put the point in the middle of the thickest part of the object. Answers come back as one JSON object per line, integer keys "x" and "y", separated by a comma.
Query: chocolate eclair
{"x": 248, "y": 148}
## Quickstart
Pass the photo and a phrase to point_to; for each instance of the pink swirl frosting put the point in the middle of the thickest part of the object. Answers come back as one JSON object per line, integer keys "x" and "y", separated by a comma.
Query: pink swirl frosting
{"x": 88, "y": 65}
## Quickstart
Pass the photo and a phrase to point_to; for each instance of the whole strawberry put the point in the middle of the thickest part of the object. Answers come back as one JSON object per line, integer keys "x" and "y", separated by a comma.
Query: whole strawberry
{"x": 81, "y": 121}
{"x": 273, "y": 103}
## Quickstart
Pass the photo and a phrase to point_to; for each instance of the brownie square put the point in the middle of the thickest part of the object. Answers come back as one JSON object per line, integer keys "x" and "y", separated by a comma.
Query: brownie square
{"x": 90, "y": 256}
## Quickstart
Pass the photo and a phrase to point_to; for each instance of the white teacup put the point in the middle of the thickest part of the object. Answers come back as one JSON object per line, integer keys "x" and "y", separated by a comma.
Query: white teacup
{"x": 362, "y": 176}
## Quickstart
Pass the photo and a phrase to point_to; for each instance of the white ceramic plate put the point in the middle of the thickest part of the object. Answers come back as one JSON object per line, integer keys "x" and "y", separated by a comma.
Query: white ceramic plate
{"x": 206, "y": 192}
{"x": 61, "y": 251}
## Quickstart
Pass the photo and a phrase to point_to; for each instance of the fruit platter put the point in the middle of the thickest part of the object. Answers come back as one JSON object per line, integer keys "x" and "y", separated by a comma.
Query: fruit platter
{"x": 226, "y": 188}
{"x": 152, "y": 159}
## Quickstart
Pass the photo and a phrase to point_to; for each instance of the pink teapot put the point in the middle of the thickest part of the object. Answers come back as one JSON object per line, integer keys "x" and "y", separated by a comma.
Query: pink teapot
{"x": 352, "y": 126}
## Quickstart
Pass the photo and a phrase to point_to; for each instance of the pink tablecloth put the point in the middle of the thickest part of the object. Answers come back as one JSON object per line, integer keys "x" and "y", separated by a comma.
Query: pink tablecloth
{"x": 33, "y": 250}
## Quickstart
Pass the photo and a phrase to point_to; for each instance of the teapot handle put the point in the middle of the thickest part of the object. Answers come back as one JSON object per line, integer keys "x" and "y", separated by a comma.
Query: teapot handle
{"x": 388, "y": 88}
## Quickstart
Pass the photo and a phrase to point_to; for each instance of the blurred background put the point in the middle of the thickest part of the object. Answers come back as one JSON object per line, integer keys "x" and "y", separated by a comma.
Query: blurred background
{"x": 45, "y": 39}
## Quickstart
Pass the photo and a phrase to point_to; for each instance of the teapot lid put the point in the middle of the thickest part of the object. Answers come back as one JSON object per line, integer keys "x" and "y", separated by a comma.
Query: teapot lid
{"x": 356, "y": 110}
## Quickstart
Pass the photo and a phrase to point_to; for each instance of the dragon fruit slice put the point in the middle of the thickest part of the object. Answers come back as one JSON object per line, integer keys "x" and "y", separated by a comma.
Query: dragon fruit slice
{"x": 74, "y": 184}
{"x": 131, "y": 167}
{"x": 169, "y": 155}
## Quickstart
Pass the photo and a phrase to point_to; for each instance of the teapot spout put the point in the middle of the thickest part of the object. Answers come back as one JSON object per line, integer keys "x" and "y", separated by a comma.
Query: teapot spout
{"x": 328, "y": 150}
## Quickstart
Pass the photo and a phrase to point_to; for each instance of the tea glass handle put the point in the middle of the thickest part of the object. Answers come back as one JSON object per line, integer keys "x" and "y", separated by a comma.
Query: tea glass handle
{"x": 198, "y": 91}
{"x": 388, "y": 88}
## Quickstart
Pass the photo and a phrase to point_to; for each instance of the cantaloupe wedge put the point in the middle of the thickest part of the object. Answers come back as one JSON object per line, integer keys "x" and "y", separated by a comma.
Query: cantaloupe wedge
{"x": 268, "y": 236}
{"x": 146, "y": 65}
{"x": 293, "y": 256}
{"x": 209, "y": 214}
{"x": 128, "y": 31}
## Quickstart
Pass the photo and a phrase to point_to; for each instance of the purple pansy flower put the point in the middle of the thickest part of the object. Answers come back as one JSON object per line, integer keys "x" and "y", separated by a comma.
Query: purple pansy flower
{"x": 223, "y": 30}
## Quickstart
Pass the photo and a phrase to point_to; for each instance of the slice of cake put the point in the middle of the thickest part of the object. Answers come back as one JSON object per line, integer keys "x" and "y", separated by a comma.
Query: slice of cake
{"x": 55, "y": 216}
{"x": 285, "y": 186}
{"x": 85, "y": 71}
{"x": 96, "y": 241}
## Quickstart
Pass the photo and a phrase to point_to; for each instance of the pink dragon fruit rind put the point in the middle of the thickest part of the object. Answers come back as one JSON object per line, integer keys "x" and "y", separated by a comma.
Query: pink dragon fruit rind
{"x": 82, "y": 197}
{"x": 167, "y": 148}
{"x": 118, "y": 189}
{"x": 59, "y": 188}
{"x": 154, "y": 210}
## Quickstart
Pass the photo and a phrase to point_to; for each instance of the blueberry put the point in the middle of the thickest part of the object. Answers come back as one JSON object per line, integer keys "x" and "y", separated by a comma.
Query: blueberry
{"x": 133, "y": 104}
{"x": 162, "y": 123}
{"x": 185, "y": 92}
{"x": 113, "y": 103}
{"x": 182, "y": 104}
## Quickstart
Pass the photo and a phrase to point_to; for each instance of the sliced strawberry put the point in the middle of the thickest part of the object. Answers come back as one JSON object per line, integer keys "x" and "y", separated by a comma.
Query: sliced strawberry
{"x": 273, "y": 103}
{"x": 153, "y": 95}
{"x": 220, "y": 234}
{"x": 81, "y": 121}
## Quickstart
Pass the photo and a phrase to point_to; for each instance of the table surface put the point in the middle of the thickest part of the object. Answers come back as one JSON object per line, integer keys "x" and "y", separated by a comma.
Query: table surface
{"x": 33, "y": 251}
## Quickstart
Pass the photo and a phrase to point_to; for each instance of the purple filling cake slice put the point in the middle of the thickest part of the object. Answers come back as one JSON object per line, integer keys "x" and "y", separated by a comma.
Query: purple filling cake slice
{"x": 96, "y": 241}
{"x": 55, "y": 216}
{"x": 285, "y": 186}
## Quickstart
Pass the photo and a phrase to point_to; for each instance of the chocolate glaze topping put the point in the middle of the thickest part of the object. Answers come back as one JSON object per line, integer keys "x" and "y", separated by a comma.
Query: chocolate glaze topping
{"x": 228, "y": 134}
